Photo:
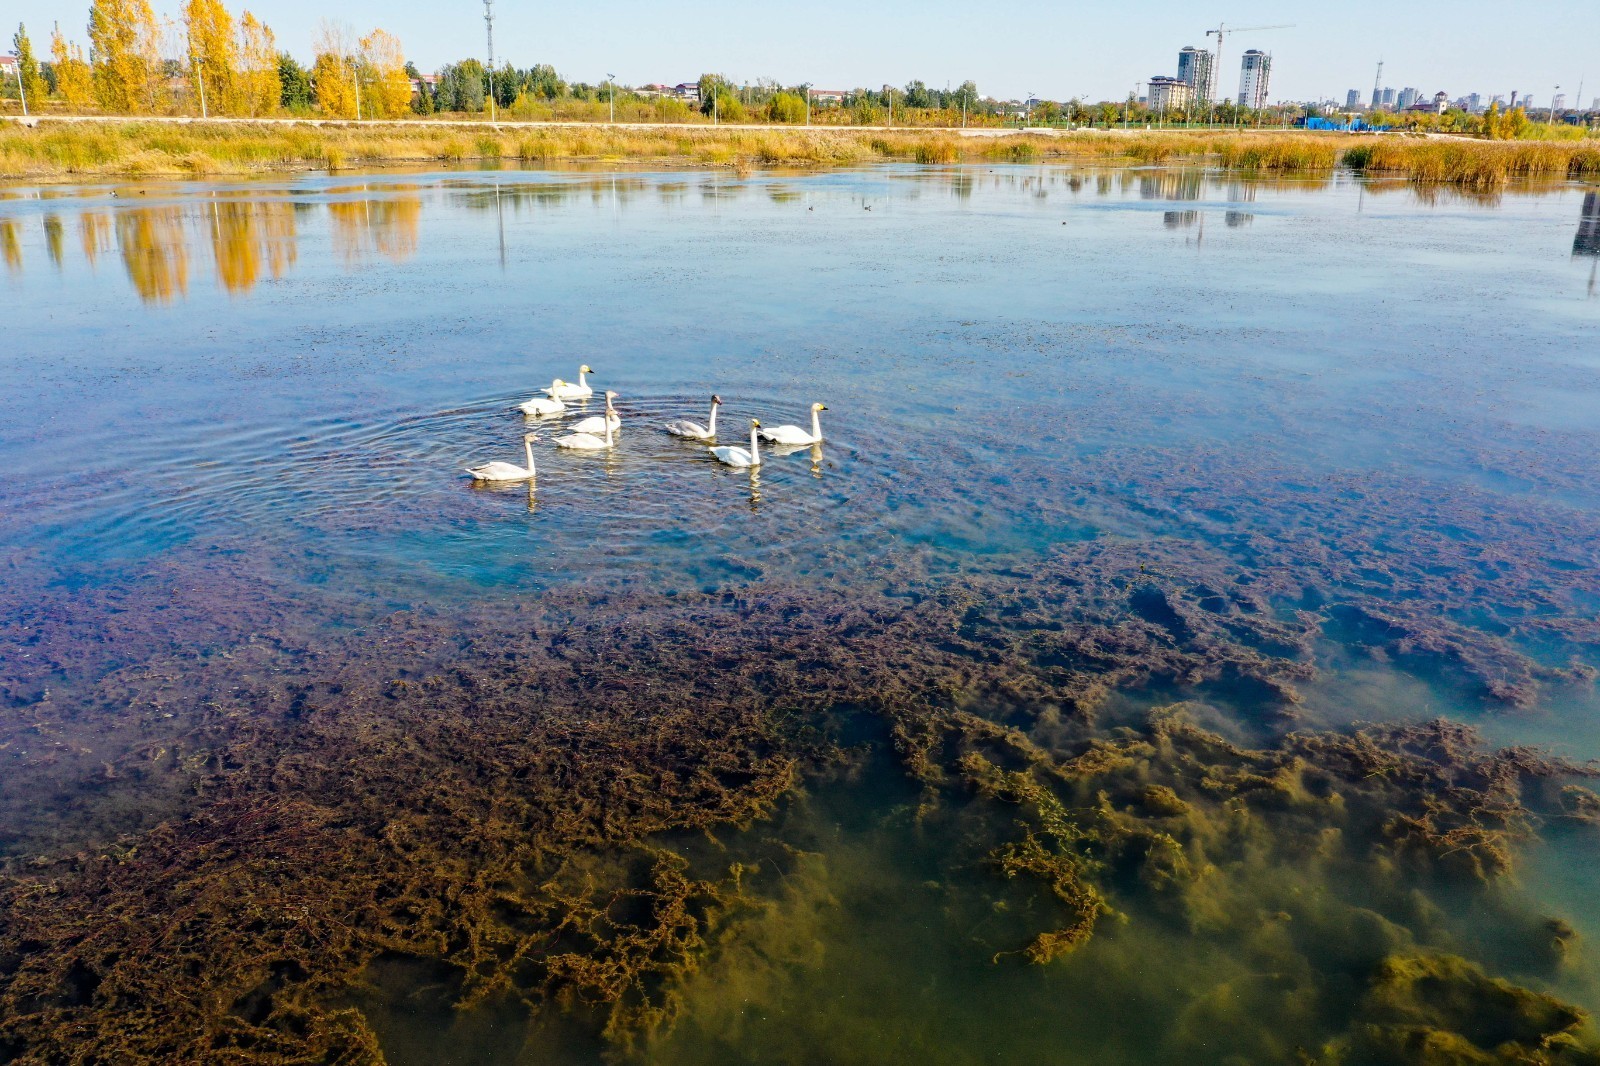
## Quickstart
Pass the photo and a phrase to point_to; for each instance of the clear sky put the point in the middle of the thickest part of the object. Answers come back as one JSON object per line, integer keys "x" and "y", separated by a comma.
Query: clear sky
{"x": 1056, "y": 50}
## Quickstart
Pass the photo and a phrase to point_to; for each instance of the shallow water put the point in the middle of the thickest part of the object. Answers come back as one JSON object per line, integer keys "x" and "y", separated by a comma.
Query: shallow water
{"x": 1356, "y": 398}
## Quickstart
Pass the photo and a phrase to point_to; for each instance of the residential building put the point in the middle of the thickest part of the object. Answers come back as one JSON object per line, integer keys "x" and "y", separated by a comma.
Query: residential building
{"x": 1169, "y": 94}
{"x": 1352, "y": 100}
{"x": 1255, "y": 71}
{"x": 1559, "y": 102}
{"x": 1408, "y": 96}
{"x": 1388, "y": 98}
{"x": 1195, "y": 70}
{"x": 1474, "y": 103}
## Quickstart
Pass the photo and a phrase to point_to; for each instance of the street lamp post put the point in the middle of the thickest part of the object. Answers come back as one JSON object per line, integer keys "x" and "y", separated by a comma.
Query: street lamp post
{"x": 611, "y": 80}
{"x": 1552, "y": 117}
{"x": 808, "y": 104}
{"x": 22, "y": 91}
{"x": 200, "y": 80}
{"x": 355, "y": 78}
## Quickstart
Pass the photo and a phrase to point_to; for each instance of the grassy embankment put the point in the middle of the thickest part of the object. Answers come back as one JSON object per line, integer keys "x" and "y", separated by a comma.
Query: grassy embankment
{"x": 55, "y": 150}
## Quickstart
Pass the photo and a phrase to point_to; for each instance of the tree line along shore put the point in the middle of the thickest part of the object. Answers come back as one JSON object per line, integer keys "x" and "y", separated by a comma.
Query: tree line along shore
{"x": 55, "y": 149}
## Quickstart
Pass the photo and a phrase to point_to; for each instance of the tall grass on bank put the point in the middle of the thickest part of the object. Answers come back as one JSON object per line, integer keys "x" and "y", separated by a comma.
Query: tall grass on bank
{"x": 1474, "y": 164}
{"x": 59, "y": 149}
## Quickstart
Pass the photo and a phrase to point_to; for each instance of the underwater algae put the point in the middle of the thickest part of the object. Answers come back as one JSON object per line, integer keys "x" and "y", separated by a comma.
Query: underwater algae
{"x": 497, "y": 789}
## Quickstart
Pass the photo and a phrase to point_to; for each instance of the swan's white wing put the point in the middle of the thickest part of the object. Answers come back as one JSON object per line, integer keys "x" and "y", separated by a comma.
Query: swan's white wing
{"x": 596, "y": 424}
{"x": 787, "y": 435}
{"x": 732, "y": 456}
{"x": 582, "y": 441}
{"x": 687, "y": 429}
{"x": 498, "y": 471}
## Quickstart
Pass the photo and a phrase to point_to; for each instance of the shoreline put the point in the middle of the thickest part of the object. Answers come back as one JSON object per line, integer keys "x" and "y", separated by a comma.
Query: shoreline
{"x": 56, "y": 148}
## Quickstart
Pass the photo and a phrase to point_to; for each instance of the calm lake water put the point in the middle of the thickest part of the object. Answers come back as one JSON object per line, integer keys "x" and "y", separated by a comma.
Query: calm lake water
{"x": 237, "y": 412}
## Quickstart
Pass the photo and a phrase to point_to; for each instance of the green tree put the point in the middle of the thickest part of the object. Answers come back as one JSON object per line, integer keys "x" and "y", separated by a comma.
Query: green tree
{"x": 543, "y": 80}
{"x": 786, "y": 107}
{"x": 296, "y": 93}
{"x": 462, "y": 87}
{"x": 917, "y": 95}
{"x": 28, "y": 68}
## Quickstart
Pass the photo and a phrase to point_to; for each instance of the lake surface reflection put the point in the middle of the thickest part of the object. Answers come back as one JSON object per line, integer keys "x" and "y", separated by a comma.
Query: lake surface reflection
{"x": 1077, "y": 697}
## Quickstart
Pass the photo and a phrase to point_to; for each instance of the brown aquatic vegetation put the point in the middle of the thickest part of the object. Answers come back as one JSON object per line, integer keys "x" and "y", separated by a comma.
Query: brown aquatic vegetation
{"x": 489, "y": 792}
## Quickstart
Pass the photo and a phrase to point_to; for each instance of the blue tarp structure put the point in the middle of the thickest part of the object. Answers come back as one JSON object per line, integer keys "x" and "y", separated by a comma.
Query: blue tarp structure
{"x": 1355, "y": 125}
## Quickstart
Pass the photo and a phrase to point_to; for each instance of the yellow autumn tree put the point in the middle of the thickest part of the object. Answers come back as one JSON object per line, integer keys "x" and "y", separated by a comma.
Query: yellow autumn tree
{"x": 73, "y": 79}
{"x": 211, "y": 61}
{"x": 260, "y": 88}
{"x": 333, "y": 73}
{"x": 385, "y": 84}
{"x": 125, "y": 54}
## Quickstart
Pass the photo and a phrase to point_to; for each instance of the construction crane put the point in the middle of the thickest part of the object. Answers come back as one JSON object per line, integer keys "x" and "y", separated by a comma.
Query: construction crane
{"x": 1219, "y": 31}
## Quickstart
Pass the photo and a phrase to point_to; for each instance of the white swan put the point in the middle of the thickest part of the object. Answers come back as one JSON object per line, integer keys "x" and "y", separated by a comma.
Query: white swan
{"x": 738, "y": 456}
{"x": 794, "y": 434}
{"x": 694, "y": 430}
{"x": 541, "y": 406}
{"x": 598, "y": 423}
{"x": 566, "y": 390}
{"x": 586, "y": 442}
{"x": 498, "y": 471}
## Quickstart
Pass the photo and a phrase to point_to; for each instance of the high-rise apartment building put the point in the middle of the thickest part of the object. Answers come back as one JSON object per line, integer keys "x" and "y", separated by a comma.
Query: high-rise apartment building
{"x": 1352, "y": 100}
{"x": 1474, "y": 103}
{"x": 1559, "y": 102}
{"x": 1195, "y": 69}
{"x": 1408, "y": 96}
{"x": 1388, "y": 97}
{"x": 1255, "y": 71}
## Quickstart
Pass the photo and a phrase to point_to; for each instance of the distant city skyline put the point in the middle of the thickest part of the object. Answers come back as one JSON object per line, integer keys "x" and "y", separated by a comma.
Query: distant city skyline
{"x": 1009, "y": 50}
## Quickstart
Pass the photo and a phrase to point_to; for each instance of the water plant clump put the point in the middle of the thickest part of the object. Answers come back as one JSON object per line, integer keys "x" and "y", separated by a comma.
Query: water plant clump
{"x": 406, "y": 792}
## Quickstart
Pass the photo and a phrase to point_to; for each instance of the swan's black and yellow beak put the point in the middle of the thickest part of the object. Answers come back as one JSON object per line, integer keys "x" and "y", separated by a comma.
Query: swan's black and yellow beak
{"x": 755, "y": 423}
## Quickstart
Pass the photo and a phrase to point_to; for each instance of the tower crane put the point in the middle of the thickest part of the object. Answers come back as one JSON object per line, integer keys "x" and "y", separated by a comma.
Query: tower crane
{"x": 1220, "y": 31}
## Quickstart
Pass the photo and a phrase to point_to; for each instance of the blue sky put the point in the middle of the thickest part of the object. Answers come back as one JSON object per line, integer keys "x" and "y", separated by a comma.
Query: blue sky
{"x": 1056, "y": 50}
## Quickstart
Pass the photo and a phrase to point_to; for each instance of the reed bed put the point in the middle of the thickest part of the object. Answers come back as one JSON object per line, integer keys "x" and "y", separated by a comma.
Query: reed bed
{"x": 59, "y": 149}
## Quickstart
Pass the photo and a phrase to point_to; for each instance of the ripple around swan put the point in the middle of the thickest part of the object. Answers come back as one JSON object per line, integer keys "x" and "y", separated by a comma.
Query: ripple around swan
{"x": 389, "y": 489}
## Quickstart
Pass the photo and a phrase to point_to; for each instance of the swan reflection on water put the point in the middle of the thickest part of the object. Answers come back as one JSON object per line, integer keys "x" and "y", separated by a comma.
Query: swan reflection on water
{"x": 778, "y": 451}
{"x": 527, "y": 489}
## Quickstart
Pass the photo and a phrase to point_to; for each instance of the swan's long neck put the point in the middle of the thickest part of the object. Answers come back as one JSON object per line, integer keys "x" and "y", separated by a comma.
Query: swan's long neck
{"x": 581, "y": 382}
{"x": 755, "y": 447}
{"x": 608, "y": 433}
{"x": 609, "y": 409}
{"x": 527, "y": 447}
{"x": 816, "y": 423}
{"x": 712, "y": 428}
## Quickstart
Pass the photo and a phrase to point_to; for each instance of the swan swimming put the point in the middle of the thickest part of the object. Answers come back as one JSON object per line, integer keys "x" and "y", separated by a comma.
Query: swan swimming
{"x": 587, "y": 442}
{"x": 738, "y": 456}
{"x": 566, "y": 390}
{"x": 541, "y": 406}
{"x": 694, "y": 430}
{"x": 794, "y": 434}
{"x": 598, "y": 423}
{"x": 499, "y": 471}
